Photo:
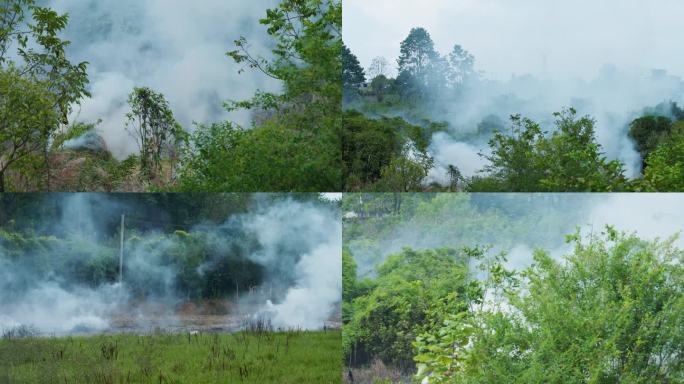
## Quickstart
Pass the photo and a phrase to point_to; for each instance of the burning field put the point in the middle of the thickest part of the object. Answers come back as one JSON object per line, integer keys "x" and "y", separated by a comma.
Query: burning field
{"x": 178, "y": 288}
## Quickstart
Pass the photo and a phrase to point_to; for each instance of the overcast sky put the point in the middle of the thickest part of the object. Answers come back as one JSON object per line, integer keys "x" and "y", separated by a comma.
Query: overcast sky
{"x": 176, "y": 47}
{"x": 542, "y": 37}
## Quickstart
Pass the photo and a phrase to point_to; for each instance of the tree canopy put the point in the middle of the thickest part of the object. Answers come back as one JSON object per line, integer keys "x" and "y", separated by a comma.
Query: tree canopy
{"x": 569, "y": 159}
{"x": 298, "y": 147}
{"x": 39, "y": 87}
{"x": 610, "y": 312}
{"x": 411, "y": 294}
{"x": 443, "y": 95}
{"x": 292, "y": 142}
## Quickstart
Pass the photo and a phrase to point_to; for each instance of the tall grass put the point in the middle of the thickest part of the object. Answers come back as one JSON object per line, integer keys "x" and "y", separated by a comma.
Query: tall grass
{"x": 258, "y": 355}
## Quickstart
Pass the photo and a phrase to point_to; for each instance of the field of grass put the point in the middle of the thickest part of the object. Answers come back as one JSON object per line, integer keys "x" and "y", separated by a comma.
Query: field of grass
{"x": 247, "y": 357}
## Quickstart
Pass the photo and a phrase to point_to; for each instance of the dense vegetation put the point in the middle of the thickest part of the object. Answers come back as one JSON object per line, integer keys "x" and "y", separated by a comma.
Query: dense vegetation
{"x": 389, "y": 125}
{"x": 409, "y": 296}
{"x": 609, "y": 311}
{"x": 293, "y": 143}
{"x": 250, "y": 357}
{"x": 387, "y": 222}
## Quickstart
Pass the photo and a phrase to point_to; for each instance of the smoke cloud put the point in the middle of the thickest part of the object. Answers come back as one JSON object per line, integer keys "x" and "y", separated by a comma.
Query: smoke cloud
{"x": 519, "y": 223}
{"x": 293, "y": 248}
{"x": 609, "y": 60}
{"x": 173, "y": 46}
{"x": 613, "y": 99}
{"x": 317, "y": 272}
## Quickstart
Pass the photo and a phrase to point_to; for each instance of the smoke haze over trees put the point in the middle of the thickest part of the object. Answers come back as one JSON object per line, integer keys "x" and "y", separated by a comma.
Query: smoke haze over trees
{"x": 529, "y": 278}
{"x": 241, "y": 97}
{"x": 269, "y": 256}
{"x": 461, "y": 88}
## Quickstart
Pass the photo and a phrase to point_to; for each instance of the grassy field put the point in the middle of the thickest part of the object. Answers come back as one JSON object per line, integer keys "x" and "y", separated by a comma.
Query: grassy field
{"x": 248, "y": 357}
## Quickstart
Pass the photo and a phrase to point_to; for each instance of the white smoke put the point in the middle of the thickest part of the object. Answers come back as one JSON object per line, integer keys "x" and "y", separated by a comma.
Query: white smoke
{"x": 447, "y": 152}
{"x": 311, "y": 302}
{"x": 53, "y": 309}
{"x": 609, "y": 60}
{"x": 657, "y": 215}
{"x": 90, "y": 140}
{"x": 296, "y": 243}
{"x": 173, "y": 46}
{"x": 559, "y": 40}
{"x": 317, "y": 274}
{"x": 522, "y": 222}
{"x": 613, "y": 99}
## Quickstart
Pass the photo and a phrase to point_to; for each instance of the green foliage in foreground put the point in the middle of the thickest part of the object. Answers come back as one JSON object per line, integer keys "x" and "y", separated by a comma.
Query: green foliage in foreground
{"x": 385, "y": 154}
{"x": 665, "y": 165}
{"x": 295, "y": 144}
{"x": 610, "y": 312}
{"x": 413, "y": 292}
{"x": 291, "y": 144}
{"x": 287, "y": 357}
{"x": 276, "y": 156}
{"x": 568, "y": 160}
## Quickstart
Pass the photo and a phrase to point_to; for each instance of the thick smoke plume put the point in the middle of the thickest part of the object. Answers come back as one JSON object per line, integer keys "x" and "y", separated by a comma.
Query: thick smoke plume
{"x": 613, "y": 99}
{"x": 295, "y": 246}
{"x": 316, "y": 271}
{"x": 175, "y": 47}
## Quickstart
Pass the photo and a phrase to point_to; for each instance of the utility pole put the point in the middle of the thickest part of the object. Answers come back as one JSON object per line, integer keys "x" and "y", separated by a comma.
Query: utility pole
{"x": 121, "y": 251}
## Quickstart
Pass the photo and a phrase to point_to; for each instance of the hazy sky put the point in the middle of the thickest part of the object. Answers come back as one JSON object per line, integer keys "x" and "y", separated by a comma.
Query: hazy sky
{"x": 176, "y": 47}
{"x": 546, "y": 38}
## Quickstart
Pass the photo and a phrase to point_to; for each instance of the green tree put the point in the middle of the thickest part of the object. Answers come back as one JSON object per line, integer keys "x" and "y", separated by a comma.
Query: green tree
{"x": 307, "y": 56}
{"x": 42, "y": 67}
{"x": 417, "y": 62}
{"x": 664, "y": 169}
{"x": 380, "y": 86}
{"x": 367, "y": 146}
{"x": 513, "y": 159}
{"x": 461, "y": 66}
{"x": 412, "y": 293}
{"x": 348, "y": 275}
{"x": 610, "y": 312}
{"x": 226, "y": 157}
{"x": 385, "y": 154}
{"x": 569, "y": 159}
{"x": 353, "y": 76}
{"x": 27, "y": 118}
{"x": 378, "y": 67}
{"x": 406, "y": 172}
{"x": 648, "y": 132}
{"x": 152, "y": 125}
{"x": 454, "y": 177}
{"x": 298, "y": 147}
{"x": 348, "y": 283}
{"x": 576, "y": 162}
